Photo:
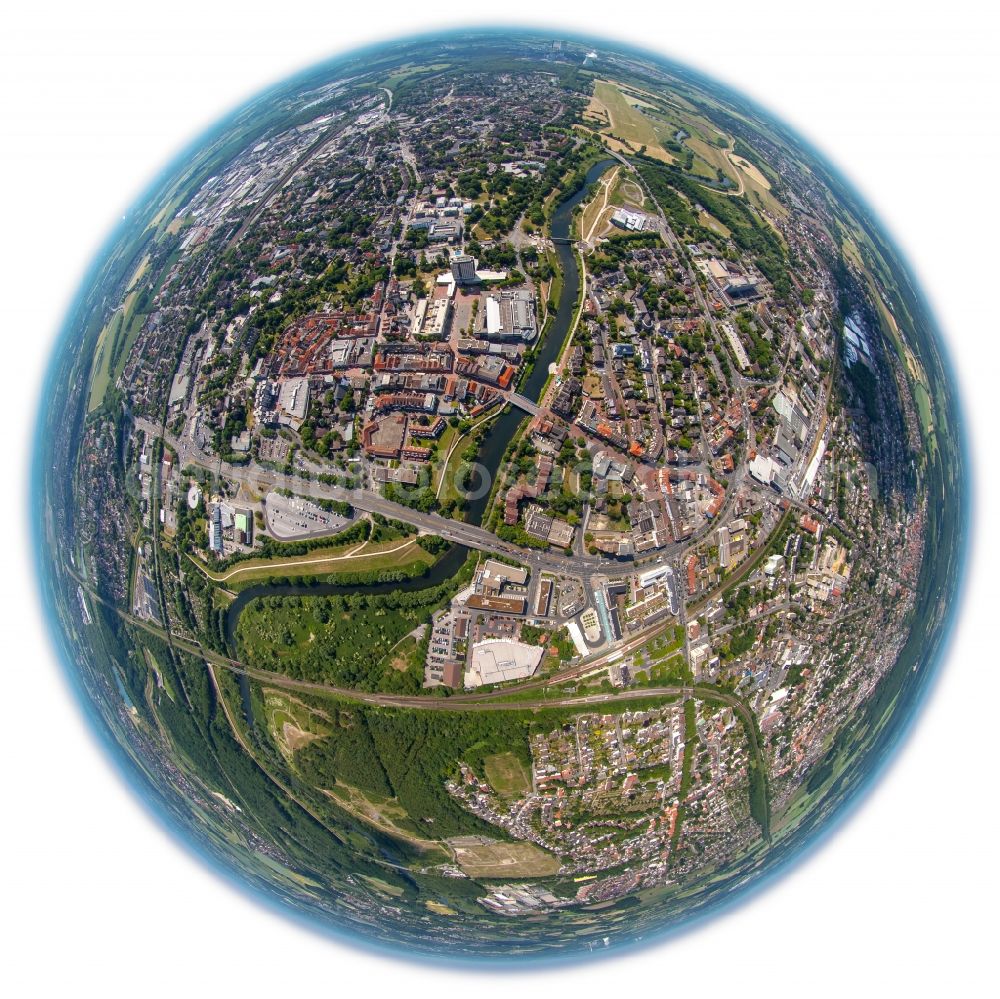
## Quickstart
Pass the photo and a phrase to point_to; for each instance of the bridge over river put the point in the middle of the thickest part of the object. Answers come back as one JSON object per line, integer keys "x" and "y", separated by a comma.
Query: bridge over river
{"x": 523, "y": 402}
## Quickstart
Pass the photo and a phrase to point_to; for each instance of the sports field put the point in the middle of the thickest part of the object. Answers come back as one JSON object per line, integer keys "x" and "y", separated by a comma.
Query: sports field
{"x": 507, "y": 775}
{"x": 503, "y": 860}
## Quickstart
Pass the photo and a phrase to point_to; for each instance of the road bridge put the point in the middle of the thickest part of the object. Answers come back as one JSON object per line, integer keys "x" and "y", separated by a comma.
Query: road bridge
{"x": 260, "y": 480}
{"x": 523, "y": 402}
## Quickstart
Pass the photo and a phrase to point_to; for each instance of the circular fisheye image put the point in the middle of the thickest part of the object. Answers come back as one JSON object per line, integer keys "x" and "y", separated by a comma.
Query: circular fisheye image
{"x": 499, "y": 497}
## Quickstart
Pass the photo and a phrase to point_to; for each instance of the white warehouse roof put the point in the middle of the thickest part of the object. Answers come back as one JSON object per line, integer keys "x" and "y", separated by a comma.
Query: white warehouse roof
{"x": 497, "y": 660}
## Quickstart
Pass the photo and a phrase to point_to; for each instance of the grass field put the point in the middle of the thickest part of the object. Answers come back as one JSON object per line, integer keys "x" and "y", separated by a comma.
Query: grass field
{"x": 673, "y": 669}
{"x": 664, "y": 657}
{"x": 597, "y": 211}
{"x": 716, "y": 158}
{"x": 445, "y": 478}
{"x": 758, "y": 185}
{"x": 690, "y": 741}
{"x": 503, "y": 860}
{"x": 403, "y": 655}
{"x": 506, "y": 775}
{"x": 444, "y": 444}
{"x": 751, "y": 172}
{"x": 665, "y": 645}
{"x": 164, "y": 677}
{"x": 711, "y": 222}
{"x": 326, "y": 562}
{"x": 626, "y": 121}
{"x": 393, "y": 891}
{"x": 615, "y": 146}
{"x": 622, "y": 107}
{"x": 446, "y": 485}
{"x": 923, "y": 401}
{"x": 628, "y": 193}
{"x": 440, "y": 908}
{"x": 409, "y": 69}
{"x": 103, "y": 361}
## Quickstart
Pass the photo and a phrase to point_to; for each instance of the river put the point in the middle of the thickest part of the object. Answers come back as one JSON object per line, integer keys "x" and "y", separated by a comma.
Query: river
{"x": 499, "y": 432}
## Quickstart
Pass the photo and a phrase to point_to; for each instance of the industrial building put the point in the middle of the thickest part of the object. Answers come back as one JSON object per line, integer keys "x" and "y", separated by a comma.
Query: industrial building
{"x": 768, "y": 472}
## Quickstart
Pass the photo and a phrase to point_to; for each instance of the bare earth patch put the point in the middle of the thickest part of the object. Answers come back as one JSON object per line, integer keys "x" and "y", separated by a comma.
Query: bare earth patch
{"x": 295, "y": 738}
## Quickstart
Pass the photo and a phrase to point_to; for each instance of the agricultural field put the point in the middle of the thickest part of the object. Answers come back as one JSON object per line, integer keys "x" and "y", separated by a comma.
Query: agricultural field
{"x": 758, "y": 186}
{"x": 676, "y": 133}
{"x": 626, "y": 119}
{"x": 751, "y": 172}
{"x": 101, "y": 377}
{"x": 121, "y": 331}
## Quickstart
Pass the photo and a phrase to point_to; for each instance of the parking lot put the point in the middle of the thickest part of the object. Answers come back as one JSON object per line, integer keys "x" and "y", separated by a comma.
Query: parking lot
{"x": 292, "y": 517}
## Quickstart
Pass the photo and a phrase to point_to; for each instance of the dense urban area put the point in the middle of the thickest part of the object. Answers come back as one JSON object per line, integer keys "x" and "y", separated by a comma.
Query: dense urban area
{"x": 494, "y": 488}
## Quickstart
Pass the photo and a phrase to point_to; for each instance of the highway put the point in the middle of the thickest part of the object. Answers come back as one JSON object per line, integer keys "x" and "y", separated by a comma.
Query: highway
{"x": 588, "y": 569}
{"x": 456, "y": 531}
{"x": 581, "y": 566}
{"x": 585, "y": 567}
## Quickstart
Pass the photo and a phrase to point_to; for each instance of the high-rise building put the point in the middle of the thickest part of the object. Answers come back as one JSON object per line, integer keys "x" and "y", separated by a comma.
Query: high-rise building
{"x": 463, "y": 268}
